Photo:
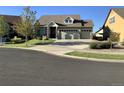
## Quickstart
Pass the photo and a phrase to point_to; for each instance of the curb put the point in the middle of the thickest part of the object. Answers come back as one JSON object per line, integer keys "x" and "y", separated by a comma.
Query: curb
{"x": 74, "y": 57}
{"x": 86, "y": 58}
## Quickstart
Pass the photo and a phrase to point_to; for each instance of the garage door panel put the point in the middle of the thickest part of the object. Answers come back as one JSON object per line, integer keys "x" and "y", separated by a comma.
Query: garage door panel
{"x": 85, "y": 35}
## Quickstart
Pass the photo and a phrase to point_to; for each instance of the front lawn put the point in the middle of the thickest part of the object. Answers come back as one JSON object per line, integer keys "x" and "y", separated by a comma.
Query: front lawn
{"x": 96, "y": 55}
{"x": 30, "y": 43}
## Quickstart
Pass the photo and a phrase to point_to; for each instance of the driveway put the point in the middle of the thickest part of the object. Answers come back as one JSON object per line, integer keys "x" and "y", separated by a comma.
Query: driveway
{"x": 60, "y": 47}
{"x": 26, "y": 67}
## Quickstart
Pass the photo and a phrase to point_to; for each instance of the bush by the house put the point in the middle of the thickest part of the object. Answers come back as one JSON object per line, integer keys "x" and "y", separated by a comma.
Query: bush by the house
{"x": 100, "y": 45}
{"x": 93, "y": 45}
{"x": 104, "y": 45}
{"x": 16, "y": 40}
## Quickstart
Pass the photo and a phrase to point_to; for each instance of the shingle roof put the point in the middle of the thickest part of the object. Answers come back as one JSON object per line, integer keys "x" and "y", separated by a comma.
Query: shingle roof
{"x": 11, "y": 18}
{"x": 59, "y": 19}
{"x": 119, "y": 11}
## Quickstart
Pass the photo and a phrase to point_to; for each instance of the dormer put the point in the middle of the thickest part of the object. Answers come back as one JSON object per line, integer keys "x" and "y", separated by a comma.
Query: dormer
{"x": 52, "y": 24}
{"x": 69, "y": 20}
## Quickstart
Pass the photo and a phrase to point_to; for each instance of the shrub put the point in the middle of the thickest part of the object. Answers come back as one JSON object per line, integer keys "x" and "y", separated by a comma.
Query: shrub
{"x": 93, "y": 45}
{"x": 16, "y": 40}
{"x": 100, "y": 45}
{"x": 105, "y": 45}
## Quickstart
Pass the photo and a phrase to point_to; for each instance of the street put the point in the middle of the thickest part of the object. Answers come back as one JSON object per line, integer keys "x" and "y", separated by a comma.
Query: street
{"x": 31, "y": 68}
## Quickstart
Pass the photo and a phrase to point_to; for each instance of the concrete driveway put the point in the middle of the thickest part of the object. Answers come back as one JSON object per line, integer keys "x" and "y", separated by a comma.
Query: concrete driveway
{"x": 26, "y": 67}
{"x": 60, "y": 47}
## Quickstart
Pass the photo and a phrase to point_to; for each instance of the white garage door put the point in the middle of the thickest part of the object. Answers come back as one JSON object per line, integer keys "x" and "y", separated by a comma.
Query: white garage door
{"x": 70, "y": 34}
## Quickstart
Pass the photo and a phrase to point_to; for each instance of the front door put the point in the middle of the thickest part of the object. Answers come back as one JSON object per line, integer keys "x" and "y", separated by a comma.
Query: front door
{"x": 52, "y": 32}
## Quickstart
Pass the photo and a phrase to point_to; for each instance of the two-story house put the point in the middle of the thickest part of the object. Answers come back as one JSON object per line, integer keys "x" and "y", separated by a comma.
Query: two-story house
{"x": 114, "y": 22}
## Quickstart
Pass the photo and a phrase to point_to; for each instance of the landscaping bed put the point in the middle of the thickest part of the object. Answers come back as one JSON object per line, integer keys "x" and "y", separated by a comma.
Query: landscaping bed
{"x": 97, "y": 55}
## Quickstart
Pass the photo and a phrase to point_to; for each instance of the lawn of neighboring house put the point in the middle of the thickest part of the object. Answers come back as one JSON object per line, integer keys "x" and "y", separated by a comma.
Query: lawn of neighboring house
{"x": 97, "y": 55}
{"x": 30, "y": 43}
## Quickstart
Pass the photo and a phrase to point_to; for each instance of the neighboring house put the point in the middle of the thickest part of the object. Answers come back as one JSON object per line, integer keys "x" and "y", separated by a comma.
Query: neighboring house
{"x": 114, "y": 22}
{"x": 66, "y": 27}
{"x": 12, "y": 21}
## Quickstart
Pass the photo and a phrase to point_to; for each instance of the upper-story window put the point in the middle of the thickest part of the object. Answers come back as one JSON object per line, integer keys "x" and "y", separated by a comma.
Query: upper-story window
{"x": 68, "y": 20}
{"x": 112, "y": 20}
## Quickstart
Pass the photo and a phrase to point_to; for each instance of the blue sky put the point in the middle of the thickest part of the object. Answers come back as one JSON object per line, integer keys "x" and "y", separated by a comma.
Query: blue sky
{"x": 95, "y": 13}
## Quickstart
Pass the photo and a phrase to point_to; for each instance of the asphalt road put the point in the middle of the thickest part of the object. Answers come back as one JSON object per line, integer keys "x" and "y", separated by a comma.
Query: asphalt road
{"x": 25, "y": 67}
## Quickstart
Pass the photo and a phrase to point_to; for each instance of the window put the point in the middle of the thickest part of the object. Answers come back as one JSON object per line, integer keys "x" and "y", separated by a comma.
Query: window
{"x": 66, "y": 21}
{"x": 70, "y": 21}
{"x": 112, "y": 20}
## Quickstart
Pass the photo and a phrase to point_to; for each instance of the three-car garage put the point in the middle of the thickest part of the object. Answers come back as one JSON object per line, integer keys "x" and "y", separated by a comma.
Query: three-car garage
{"x": 74, "y": 34}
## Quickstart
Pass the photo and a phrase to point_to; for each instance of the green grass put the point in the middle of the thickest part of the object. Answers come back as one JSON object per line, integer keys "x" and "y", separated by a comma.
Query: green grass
{"x": 40, "y": 42}
{"x": 30, "y": 43}
{"x": 96, "y": 55}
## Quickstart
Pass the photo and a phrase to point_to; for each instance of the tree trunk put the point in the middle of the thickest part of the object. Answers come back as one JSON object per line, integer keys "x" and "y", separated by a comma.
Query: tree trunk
{"x": 26, "y": 39}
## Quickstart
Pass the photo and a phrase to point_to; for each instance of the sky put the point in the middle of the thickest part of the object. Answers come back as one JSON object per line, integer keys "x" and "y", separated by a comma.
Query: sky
{"x": 97, "y": 14}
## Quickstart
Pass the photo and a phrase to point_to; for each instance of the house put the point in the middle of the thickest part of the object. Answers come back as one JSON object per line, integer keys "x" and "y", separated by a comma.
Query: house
{"x": 114, "y": 22}
{"x": 66, "y": 27}
{"x": 12, "y": 20}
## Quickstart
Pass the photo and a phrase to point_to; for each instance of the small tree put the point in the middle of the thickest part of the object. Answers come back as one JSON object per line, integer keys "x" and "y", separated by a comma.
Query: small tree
{"x": 26, "y": 26}
{"x": 4, "y": 28}
{"x": 114, "y": 37}
{"x": 37, "y": 27}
